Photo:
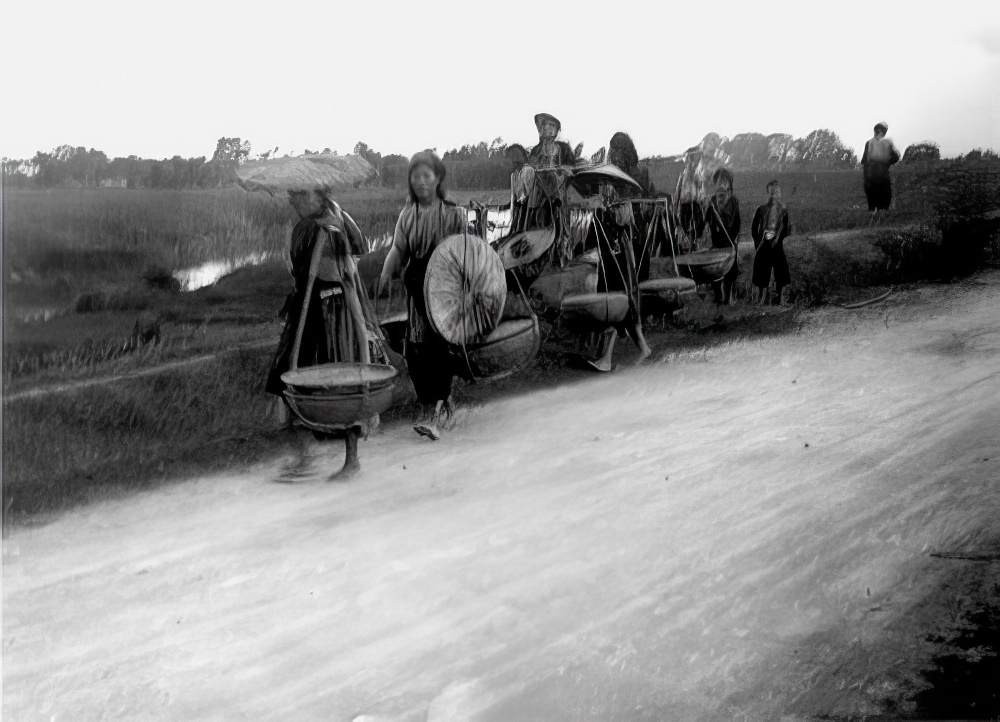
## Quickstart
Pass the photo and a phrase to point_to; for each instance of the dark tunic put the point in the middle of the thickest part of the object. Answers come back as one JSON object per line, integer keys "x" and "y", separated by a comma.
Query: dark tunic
{"x": 327, "y": 336}
{"x": 724, "y": 223}
{"x": 770, "y": 253}
{"x": 428, "y": 357}
{"x": 880, "y": 154}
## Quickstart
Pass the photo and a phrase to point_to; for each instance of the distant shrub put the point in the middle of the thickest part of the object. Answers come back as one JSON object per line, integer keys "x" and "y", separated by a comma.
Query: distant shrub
{"x": 112, "y": 300}
{"x": 926, "y": 151}
{"x": 961, "y": 235}
{"x": 161, "y": 278}
{"x": 821, "y": 270}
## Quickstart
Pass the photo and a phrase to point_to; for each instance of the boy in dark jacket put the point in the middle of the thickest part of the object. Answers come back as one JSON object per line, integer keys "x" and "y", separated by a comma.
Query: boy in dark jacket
{"x": 769, "y": 229}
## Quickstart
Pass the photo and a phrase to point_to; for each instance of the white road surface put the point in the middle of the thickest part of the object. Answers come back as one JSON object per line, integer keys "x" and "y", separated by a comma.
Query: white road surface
{"x": 740, "y": 532}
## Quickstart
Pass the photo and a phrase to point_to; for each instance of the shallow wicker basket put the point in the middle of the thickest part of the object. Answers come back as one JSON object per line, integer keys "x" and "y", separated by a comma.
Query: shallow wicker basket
{"x": 332, "y": 411}
{"x": 662, "y": 295}
{"x": 341, "y": 378}
{"x": 509, "y": 347}
{"x": 594, "y": 309}
{"x": 706, "y": 266}
{"x": 331, "y": 396}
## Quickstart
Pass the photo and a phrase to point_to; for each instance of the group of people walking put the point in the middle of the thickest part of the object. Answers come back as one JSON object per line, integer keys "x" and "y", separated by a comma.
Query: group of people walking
{"x": 329, "y": 317}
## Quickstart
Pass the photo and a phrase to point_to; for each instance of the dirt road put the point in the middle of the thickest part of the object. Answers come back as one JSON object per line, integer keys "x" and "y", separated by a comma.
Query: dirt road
{"x": 739, "y": 532}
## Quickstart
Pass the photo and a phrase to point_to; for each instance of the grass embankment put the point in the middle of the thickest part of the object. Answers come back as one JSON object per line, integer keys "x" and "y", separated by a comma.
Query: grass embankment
{"x": 103, "y": 258}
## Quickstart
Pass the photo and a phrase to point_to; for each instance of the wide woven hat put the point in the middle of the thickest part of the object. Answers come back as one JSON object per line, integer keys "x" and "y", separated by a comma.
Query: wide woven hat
{"x": 465, "y": 289}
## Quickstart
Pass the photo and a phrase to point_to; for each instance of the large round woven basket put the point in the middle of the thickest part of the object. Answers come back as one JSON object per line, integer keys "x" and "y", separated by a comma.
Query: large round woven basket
{"x": 333, "y": 410}
{"x": 465, "y": 289}
{"x": 706, "y": 266}
{"x": 665, "y": 295}
{"x": 332, "y": 396}
{"x": 594, "y": 309}
{"x": 512, "y": 345}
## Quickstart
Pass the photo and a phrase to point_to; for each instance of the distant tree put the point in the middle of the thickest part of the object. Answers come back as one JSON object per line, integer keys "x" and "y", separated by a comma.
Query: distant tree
{"x": 747, "y": 150}
{"x": 978, "y": 154}
{"x": 926, "y": 150}
{"x": 498, "y": 148}
{"x": 394, "y": 170}
{"x": 823, "y": 149}
{"x": 231, "y": 151}
{"x": 230, "y": 154}
{"x": 70, "y": 166}
{"x": 369, "y": 154}
{"x": 18, "y": 173}
{"x": 135, "y": 171}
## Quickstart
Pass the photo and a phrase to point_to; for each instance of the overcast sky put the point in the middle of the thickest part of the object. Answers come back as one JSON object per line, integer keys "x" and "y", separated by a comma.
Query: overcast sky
{"x": 165, "y": 79}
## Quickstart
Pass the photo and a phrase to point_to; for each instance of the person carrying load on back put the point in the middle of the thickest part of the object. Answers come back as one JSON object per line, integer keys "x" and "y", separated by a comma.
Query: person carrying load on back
{"x": 769, "y": 229}
{"x": 724, "y": 225}
{"x": 422, "y": 224}
{"x": 339, "y": 322}
{"x": 553, "y": 161}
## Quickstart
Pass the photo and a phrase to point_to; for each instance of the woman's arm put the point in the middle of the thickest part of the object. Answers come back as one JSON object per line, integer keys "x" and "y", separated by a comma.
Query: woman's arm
{"x": 389, "y": 269}
{"x": 734, "y": 227}
{"x": 396, "y": 257}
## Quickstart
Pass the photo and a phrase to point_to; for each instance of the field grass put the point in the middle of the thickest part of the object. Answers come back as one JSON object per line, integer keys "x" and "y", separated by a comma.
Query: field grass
{"x": 69, "y": 239}
{"x": 64, "y": 449}
{"x": 832, "y": 200}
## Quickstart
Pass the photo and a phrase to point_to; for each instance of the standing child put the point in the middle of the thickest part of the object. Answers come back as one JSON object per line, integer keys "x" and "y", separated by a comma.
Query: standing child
{"x": 769, "y": 229}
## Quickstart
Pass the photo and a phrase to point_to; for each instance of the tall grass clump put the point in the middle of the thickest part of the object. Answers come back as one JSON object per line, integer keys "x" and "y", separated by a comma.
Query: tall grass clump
{"x": 124, "y": 436}
{"x": 111, "y": 232}
{"x": 962, "y": 233}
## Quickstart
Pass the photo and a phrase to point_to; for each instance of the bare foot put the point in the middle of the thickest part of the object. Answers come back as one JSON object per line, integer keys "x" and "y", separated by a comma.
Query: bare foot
{"x": 347, "y": 471}
{"x": 428, "y": 430}
{"x": 294, "y": 471}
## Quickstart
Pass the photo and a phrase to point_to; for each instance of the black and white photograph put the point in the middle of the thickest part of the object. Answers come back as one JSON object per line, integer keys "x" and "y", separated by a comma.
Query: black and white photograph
{"x": 500, "y": 361}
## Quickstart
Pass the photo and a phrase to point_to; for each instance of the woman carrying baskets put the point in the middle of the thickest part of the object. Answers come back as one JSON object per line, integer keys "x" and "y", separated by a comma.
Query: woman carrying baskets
{"x": 724, "y": 224}
{"x": 422, "y": 224}
{"x": 328, "y": 317}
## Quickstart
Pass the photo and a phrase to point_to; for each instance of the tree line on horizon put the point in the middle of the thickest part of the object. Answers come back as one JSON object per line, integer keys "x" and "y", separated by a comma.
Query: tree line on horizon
{"x": 474, "y": 166}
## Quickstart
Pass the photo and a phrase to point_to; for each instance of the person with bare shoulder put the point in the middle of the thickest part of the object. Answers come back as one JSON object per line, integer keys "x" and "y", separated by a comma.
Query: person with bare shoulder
{"x": 880, "y": 154}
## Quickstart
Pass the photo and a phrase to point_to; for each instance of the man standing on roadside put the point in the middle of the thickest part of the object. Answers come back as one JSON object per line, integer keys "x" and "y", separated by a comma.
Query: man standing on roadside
{"x": 769, "y": 228}
{"x": 880, "y": 153}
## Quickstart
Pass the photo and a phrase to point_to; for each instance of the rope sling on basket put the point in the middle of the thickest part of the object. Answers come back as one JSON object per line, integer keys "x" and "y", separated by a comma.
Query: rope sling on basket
{"x": 710, "y": 266}
{"x": 665, "y": 293}
{"x": 605, "y": 307}
{"x": 330, "y": 397}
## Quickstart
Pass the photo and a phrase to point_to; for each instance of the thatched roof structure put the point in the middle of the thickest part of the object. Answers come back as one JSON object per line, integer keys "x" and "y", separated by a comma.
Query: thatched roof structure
{"x": 306, "y": 172}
